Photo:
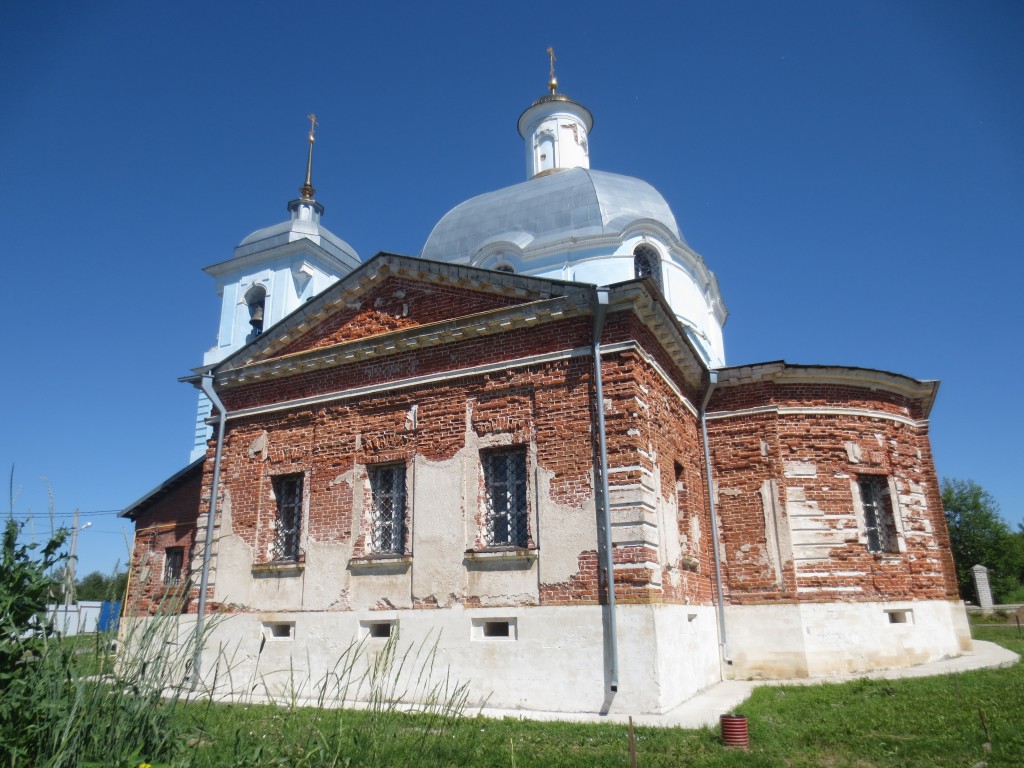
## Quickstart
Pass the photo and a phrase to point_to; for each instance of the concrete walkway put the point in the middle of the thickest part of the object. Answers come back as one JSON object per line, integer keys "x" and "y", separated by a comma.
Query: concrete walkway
{"x": 706, "y": 707}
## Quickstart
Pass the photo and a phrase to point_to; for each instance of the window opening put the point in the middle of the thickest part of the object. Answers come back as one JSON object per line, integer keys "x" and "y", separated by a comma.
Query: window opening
{"x": 288, "y": 492}
{"x": 680, "y": 490}
{"x": 505, "y": 487}
{"x": 387, "y": 508}
{"x": 380, "y": 629}
{"x": 879, "y": 524}
{"x": 174, "y": 558}
{"x": 647, "y": 263}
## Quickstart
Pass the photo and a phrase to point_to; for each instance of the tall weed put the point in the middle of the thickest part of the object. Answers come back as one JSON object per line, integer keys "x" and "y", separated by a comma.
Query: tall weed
{"x": 73, "y": 703}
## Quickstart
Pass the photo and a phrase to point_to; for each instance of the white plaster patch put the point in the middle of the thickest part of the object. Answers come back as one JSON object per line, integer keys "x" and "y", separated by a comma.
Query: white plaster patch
{"x": 260, "y": 447}
{"x": 800, "y": 469}
{"x": 344, "y": 478}
{"x": 564, "y": 533}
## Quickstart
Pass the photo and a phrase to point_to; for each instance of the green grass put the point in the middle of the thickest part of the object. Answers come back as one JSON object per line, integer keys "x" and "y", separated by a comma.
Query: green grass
{"x": 861, "y": 724}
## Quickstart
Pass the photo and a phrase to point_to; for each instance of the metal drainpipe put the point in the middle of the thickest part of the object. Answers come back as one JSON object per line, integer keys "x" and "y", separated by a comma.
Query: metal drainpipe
{"x": 722, "y": 640}
{"x": 600, "y": 309}
{"x": 206, "y": 384}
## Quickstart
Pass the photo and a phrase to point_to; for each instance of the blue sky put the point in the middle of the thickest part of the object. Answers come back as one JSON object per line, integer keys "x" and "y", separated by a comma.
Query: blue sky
{"x": 853, "y": 172}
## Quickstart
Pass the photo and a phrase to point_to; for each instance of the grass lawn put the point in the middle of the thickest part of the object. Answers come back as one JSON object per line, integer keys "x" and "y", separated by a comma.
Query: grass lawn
{"x": 861, "y": 724}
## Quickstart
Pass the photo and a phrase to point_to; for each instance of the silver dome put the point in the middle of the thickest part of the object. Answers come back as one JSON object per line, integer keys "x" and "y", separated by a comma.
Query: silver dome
{"x": 575, "y": 203}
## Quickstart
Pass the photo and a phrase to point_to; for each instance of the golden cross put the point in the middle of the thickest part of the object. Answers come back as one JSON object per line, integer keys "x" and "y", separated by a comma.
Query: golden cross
{"x": 312, "y": 125}
{"x": 551, "y": 54}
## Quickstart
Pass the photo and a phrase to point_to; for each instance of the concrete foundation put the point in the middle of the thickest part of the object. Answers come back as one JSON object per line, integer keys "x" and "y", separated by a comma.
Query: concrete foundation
{"x": 823, "y": 639}
{"x": 534, "y": 658}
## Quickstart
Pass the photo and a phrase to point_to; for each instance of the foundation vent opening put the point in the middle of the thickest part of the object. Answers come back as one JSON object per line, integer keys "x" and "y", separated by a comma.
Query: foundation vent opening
{"x": 279, "y": 630}
{"x": 901, "y": 616}
{"x": 494, "y": 629}
{"x": 382, "y": 629}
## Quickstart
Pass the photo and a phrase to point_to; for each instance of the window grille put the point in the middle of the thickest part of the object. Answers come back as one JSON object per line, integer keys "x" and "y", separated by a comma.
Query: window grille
{"x": 387, "y": 489}
{"x": 288, "y": 492}
{"x": 647, "y": 263}
{"x": 506, "y": 514}
{"x": 174, "y": 559}
{"x": 879, "y": 525}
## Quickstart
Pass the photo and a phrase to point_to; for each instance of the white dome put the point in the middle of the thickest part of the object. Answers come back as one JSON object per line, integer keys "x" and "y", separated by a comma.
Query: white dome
{"x": 570, "y": 205}
{"x": 568, "y": 222}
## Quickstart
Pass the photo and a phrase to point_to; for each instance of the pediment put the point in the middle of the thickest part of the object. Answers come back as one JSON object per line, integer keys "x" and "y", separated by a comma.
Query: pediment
{"x": 393, "y": 293}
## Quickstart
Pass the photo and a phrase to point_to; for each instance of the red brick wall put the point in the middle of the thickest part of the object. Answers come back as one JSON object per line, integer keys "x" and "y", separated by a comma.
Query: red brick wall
{"x": 655, "y": 459}
{"x": 398, "y": 303}
{"x": 819, "y": 510}
{"x": 548, "y": 406}
{"x": 523, "y": 342}
{"x": 169, "y": 521}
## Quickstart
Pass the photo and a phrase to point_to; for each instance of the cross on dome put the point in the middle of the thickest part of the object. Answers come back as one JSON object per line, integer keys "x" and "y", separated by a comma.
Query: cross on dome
{"x": 306, "y": 190}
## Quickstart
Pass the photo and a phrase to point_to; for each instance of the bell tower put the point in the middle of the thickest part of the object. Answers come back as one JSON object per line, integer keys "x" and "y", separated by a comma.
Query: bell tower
{"x": 273, "y": 272}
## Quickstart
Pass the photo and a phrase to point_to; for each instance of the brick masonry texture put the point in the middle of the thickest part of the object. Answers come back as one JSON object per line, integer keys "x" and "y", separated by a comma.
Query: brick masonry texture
{"x": 791, "y": 524}
{"x": 397, "y": 303}
{"x": 784, "y": 483}
{"x": 169, "y": 521}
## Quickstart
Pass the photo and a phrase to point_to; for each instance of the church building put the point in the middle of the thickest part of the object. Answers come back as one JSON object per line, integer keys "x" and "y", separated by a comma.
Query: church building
{"x": 524, "y": 445}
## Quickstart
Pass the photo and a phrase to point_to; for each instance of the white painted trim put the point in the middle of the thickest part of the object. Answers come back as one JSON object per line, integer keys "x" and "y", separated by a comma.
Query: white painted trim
{"x": 781, "y": 410}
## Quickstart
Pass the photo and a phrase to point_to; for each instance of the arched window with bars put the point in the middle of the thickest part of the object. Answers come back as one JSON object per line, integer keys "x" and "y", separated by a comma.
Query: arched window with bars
{"x": 647, "y": 263}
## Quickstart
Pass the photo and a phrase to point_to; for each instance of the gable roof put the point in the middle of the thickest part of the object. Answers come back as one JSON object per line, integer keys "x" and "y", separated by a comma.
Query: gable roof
{"x": 175, "y": 481}
{"x": 316, "y": 338}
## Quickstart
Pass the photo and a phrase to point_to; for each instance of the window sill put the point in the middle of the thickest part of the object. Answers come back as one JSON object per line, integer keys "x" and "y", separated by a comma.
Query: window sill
{"x": 281, "y": 569}
{"x": 500, "y": 556}
{"x": 380, "y": 563}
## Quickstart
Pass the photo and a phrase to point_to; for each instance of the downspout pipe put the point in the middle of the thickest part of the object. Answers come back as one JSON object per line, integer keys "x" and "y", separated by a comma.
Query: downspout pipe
{"x": 600, "y": 310}
{"x": 722, "y": 638}
{"x": 206, "y": 384}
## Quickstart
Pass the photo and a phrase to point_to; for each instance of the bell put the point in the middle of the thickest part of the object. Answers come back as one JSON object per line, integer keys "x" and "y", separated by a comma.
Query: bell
{"x": 256, "y": 318}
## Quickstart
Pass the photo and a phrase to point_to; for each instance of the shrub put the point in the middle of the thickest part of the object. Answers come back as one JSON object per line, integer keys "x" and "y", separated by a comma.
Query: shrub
{"x": 28, "y": 642}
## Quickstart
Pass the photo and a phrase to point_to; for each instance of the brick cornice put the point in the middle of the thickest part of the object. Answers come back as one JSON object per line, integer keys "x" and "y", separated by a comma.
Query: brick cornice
{"x": 782, "y": 373}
